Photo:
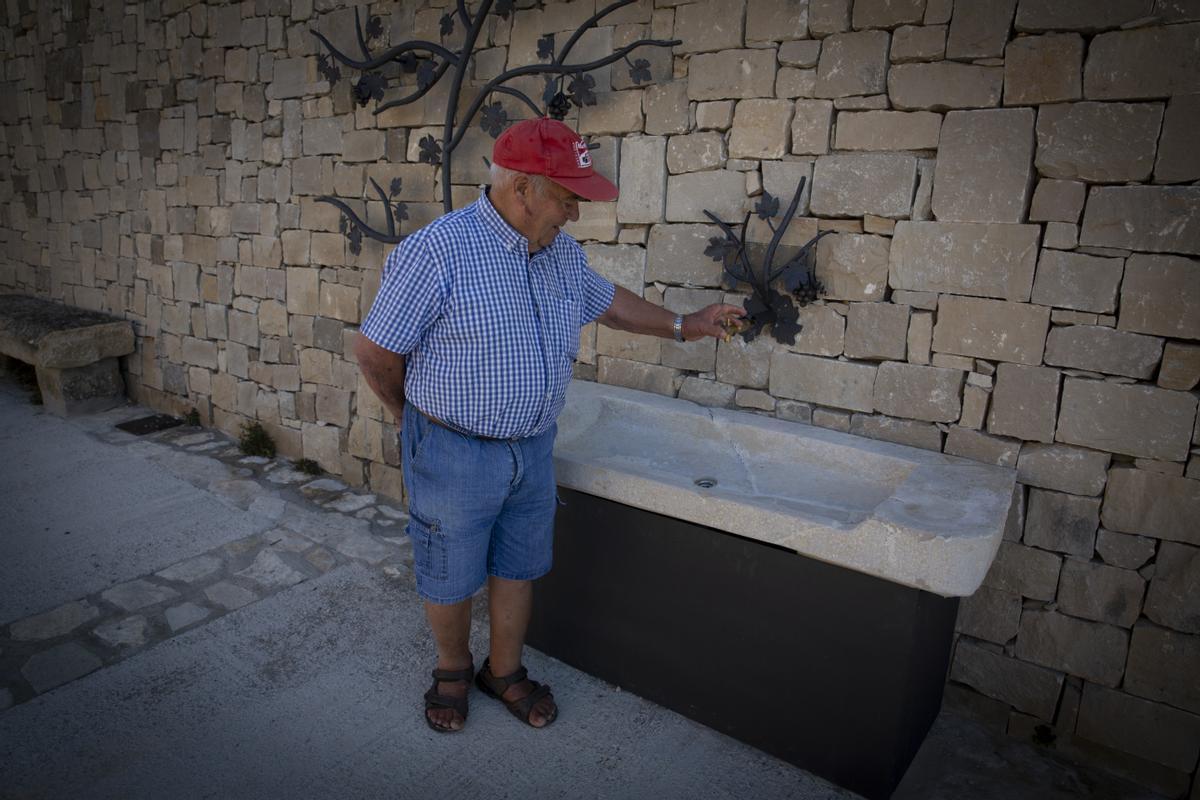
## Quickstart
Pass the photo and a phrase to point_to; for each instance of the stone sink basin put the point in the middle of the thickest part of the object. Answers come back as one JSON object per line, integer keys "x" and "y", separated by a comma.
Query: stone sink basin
{"x": 910, "y": 516}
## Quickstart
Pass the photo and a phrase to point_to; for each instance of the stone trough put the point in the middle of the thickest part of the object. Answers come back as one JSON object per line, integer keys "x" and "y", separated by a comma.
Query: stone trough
{"x": 792, "y": 586}
{"x": 75, "y": 351}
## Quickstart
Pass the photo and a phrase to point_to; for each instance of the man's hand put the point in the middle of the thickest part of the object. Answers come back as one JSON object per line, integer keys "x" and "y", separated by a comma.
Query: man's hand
{"x": 718, "y": 320}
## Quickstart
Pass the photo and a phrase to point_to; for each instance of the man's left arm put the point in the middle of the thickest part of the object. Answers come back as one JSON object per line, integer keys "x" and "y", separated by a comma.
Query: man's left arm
{"x": 628, "y": 312}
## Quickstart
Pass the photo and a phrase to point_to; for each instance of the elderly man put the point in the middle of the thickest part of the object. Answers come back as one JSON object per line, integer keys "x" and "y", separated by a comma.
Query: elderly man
{"x": 470, "y": 344}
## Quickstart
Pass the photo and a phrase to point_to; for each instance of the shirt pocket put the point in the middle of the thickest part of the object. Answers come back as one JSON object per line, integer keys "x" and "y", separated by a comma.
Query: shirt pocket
{"x": 561, "y": 315}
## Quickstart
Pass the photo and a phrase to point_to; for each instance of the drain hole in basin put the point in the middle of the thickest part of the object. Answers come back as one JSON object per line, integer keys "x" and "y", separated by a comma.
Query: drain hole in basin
{"x": 705, "y": 483}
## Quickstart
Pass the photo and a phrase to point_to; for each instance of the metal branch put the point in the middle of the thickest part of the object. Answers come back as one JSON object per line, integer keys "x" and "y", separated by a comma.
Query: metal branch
{"x": 463, "y": 15}
{"x": 398, "y": 50}
{"x": 777, "y": 237}
{"x": 460, "y": 74}
{"x": 729, "y": 232}
{"x": 362, "y": 40}
{"x": 542, "y": 69}
{"x": 359, "y": 223}
{"x": 387, "y": 205}
{"x": 582, "y": 29}
{"x": 537, "y": 111}
{"x": 418, "y": 94}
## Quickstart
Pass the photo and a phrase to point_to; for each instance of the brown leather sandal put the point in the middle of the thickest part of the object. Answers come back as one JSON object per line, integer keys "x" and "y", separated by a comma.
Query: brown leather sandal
{"x": 435, "y": 700}
{"x": 495, "y": 686}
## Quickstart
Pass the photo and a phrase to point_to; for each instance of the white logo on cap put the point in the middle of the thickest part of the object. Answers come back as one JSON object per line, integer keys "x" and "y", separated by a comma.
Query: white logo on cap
{"x": 582, "y": 155}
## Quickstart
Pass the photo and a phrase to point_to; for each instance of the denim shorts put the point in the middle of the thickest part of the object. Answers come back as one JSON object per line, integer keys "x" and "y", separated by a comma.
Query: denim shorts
{"x": 477, "y": 507}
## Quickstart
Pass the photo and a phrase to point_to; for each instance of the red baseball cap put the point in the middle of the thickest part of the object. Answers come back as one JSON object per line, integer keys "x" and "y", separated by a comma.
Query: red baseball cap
{"x": 548, "y": 147}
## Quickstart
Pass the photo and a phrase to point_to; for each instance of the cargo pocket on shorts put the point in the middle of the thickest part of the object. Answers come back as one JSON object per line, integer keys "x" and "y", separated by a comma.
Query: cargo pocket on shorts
{"x": 429, "y": 547}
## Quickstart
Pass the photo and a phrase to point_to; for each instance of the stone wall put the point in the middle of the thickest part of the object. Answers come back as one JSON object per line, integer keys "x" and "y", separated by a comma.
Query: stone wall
{"x": 1013, "y": 276}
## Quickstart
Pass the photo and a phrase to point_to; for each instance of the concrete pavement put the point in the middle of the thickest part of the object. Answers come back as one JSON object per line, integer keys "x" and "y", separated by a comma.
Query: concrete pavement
{"x": 179, "y": 621}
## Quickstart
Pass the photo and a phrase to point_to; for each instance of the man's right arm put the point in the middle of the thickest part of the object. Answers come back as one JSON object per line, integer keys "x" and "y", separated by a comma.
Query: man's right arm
{"x": 384, "y": 371}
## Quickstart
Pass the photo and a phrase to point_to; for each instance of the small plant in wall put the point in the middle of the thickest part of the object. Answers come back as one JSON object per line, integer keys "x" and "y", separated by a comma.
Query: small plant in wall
{"x": 255, "y": 441}
{"x": 767, "y": 305}
{"x": 565, "y": 86}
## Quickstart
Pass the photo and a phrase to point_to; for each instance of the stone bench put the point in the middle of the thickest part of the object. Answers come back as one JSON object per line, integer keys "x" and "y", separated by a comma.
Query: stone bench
{"x": 74, "y": 351}
{"x": 791, "y": 586}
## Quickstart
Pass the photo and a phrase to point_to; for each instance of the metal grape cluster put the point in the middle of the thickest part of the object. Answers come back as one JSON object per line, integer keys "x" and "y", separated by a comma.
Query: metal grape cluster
{"x": 767, "y": 305}
{"x": 432, "y": 60}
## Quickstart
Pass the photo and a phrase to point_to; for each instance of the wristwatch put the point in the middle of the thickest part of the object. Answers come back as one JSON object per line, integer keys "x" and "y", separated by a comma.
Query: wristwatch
{"x": 677, "y": 328}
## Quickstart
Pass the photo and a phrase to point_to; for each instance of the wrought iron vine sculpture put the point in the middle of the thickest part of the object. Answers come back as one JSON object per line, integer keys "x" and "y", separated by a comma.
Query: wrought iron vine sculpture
{"x": 767, "y": 305}
{"x": 437, "y": 62}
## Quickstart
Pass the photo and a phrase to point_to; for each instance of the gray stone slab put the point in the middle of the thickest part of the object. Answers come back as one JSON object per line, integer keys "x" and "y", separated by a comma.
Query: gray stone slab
{"x": 56, "y": 622}
{"x": 1145, "y": 502}
{"x": 934, "y": 525}
{"x": 990, "y": 614}
{"x": 1174, "y": 596}
{"x": 58, "y": 665}
{"x": 1153, "y": 731}
{"x": 137, "y": 594}
{"x": 263, "y": 693}
{"x": 1090, "y": 650}
{"x": 229, "y": 595}
{"x": 1132, "y": 218}
{"x": 1136, "y": 420}
{"x": 126, "y": 632}
{"x": 1101, "y": 593}
{"x": 271, "y": 572}
{"x": 984, "y": 171}
{"x": 192, "y": 570}
{"x": 1161, "y": 295}
{"x": 1127, "y": 65}
{"x": 965, "y": 258}
{"x": 1164, "y": 665}
{"x": 161, "y": 519}
{"x": 184, "y": 614}
{"x": 1024, "y": 686}
{"x": 1063, "y": 468}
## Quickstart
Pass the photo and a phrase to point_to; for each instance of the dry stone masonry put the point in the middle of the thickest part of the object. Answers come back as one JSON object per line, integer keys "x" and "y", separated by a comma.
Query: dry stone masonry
{"x": 1014, "y": 273}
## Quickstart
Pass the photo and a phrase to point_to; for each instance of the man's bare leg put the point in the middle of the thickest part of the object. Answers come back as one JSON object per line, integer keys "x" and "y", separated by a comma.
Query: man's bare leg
{"x": 451, "y": 626}
{"x": 510, "y": 604}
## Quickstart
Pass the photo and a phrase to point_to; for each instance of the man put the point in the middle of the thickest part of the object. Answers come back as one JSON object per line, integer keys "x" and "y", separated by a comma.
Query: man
{"x": 470, "y": 344}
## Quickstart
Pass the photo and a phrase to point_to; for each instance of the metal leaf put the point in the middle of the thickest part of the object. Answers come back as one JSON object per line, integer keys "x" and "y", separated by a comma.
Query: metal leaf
{"x": 374, "y": 27}
{"x": 639, "y": 72}
{"x": 545, "y": 47}
{"x": 447, "y": 24}
{"x": 721, "y": 248}
{"x": 787, "y": 323}
{"x": 328, "y": 70}
{"x": 581, "y": 90}
{"x": 494, "y": 119}
{"x": 426, "y": 73}
{"x": 767, "y": 206}
{"x": 394, "y": 187}
{"x": 401, "y": 211}
{"x": 369, "y": 86}
{"x": 431, "y": 150}
{"x": 355, "y": 238}
{"x": 343, "y": 224}
{"x": 504, "y": 8}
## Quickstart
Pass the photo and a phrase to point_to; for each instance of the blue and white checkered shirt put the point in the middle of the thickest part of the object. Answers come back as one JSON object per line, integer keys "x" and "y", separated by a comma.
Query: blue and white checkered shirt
{"x": 489, "y": 331}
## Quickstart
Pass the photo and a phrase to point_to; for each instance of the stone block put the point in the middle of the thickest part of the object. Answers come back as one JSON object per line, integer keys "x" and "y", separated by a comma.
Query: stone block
{"x": 58, "y": 665}
{"x": 978, "y": 446}
{"x": 1174, "y": 596}
{"x": 943, "y": 85}
{"x": 853, "y": 266}
{"x": 1101, "y": 349}
{"x": 761, "y": 129}
{"x": 776, "y": 21}
{"x": 888, "y": 130}
{"x": 925, "y": 435}
{"x": 1025, "y": 571}
{"x": 990, "y": 614}
{"x": 667, "y": 108}
{"x": 823, "y": 381}
{"x": 803, "y": 53}
{"x": 695, "y": 152}
{"x": 707, "y": 392}
{"x": 1164, "y": 666}
{"x": 675, "y": 254}
{"x": 1161, "y": 295}
{"x": 742, "y": 363}
{"x": 1129, "y": 724}
{"x": 811, "y": 126}
{"x": 1057, "y": 201}
{"x": 635, "y": 375}
{"x": 887, "y": 13}
{"x": 1145, "y": 502}
{"x": 980, "y": 30}
{"x": 867, "y": 183}
{"x": 1024, "y": 402}
{"x": 1043, "y": 69}
{"x": 1098, "y": 592}
{"x": 1130, "y": 217}
{"x": 832, "y": 419}
{"x": 1026, "y": 687}
{"x": 853, "y": 64}
{"x": 933, "y": 394}
{"x": 624, "y": 265}
{"x": 1180, "y": 366}
{"x": 613, "y": 113}
{"x": 53, "y": 623}
{"x": 1127, "y": 551}
{"x": 710, "y": 25}
{"x": 714, "y": 115}
{"x": 876, "y": 331}
{"x": 643, "y": 180}
{"x": 791, "y": 82}
{"x": 1128, "y": 65}
{"x": 828, "y": 16}
{"x": 1100, "y": 142}
{"x": 920, "y": 336}
{"x": 823, "y": 332}
{"x": 1091, "y": 650}
{"x": 731, "y": 74}
{"x": 991, "y": 329}
{"x": 321, "y": 136}
{"x": 1178, "y": 159}
{"x": 1136, "y": 420}
{"x": 597, "y": 222}
{"x": 1088, "y": 17}
{"x": 723, "y": 192}
{"x": 964, "y": 258}
{"x": 1078, "y": 281}
{"x": 700, "y": 355}
{"x": 1064, "y": 523}
{"x": 1063, "y": 468}
{"x": 983, "y": 168}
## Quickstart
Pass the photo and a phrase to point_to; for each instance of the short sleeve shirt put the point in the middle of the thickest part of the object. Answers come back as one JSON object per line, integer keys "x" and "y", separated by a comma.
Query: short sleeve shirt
{"x": 490, "y": 331}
